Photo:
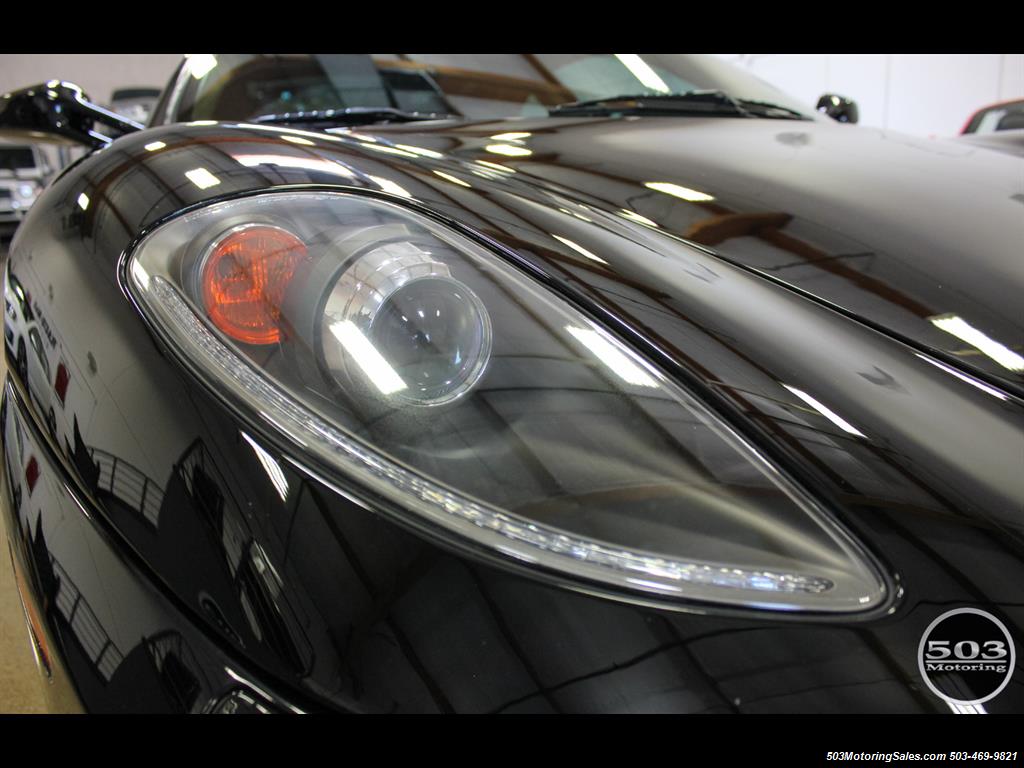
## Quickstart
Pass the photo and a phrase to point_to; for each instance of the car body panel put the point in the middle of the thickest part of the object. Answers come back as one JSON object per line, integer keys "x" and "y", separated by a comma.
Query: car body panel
{"x": 124, "y": 646}
{"x": 847, "y": 214}
{"x": 332, "y": 600}
{"x": 1010, "y": 141}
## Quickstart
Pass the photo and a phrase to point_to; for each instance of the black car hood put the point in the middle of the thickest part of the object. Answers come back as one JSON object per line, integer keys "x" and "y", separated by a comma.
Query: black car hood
{"x": 918, "y": 236}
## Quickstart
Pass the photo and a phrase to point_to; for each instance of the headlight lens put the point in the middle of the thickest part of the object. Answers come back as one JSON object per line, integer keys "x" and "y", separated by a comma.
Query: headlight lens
{"x": 431, "y": 330}
{"x": 425, "y": 371}
{"x": 26, "y": 190}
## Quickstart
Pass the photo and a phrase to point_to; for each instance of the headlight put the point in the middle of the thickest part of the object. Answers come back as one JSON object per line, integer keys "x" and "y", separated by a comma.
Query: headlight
{"x": 26, "y": 190}
{"x": 423, "y": 370}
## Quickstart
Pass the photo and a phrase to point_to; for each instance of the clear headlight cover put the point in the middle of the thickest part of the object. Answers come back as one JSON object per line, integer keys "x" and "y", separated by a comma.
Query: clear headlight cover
{"x": 424, "y": 369}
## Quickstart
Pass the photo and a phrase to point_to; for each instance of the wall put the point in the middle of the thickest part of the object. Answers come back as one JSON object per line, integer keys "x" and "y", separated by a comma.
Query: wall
{"x": 922, "y": 94}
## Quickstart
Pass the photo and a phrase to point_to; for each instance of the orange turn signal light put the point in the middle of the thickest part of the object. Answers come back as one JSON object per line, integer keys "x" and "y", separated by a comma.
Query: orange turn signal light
{"x": 244, "y": 280}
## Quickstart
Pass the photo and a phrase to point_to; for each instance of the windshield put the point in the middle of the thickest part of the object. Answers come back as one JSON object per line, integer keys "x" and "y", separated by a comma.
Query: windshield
{"x": 475, "y": 86}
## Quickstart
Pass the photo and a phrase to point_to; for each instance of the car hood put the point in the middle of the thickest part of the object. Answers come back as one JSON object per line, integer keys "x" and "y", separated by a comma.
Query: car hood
{"x": 918, "y": 460}
{"x": 920, "y": 237}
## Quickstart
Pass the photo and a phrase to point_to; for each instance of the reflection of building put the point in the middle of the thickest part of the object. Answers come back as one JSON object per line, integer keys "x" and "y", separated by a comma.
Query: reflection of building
{"x": 159, "y": 674}
{"x": 95, "y": 642}
{"x": 195, "y": 534}
{"x": 126, "y": 483}
{"x": 181, "y": 674}
{"x": 256, "y": 586}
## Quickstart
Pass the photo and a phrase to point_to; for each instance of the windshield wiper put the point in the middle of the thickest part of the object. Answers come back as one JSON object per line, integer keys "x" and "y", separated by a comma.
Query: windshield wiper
{"x": 768, "y": 109}
{"x": 349, "y": 116}
{"x": 707, "y": 102}
{"x": 691, "y": 103}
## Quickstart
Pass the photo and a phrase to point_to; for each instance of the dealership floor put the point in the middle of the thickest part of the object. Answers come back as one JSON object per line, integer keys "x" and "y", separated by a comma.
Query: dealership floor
{"x": 23, "y": 689}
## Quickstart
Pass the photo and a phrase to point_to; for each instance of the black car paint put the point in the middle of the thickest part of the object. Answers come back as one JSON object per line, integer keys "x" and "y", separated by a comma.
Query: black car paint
{"x": 334, "y": 605}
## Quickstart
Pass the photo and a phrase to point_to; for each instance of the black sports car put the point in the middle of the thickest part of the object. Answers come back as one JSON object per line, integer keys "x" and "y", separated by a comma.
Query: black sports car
{"x": 514, "y": 383}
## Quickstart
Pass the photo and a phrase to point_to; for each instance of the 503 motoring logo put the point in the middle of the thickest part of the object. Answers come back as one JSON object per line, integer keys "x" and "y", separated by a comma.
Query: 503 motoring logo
{"x": 966, "y": 656}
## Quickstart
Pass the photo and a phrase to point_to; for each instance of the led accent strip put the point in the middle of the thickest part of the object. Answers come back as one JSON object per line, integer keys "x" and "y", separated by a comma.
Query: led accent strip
{"x": 547, "y": 546}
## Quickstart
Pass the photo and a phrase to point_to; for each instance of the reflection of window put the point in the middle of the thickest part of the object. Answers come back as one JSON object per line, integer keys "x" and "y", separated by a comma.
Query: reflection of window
{"x": 178, "y": 669}
{"x": 269, "y": 614}
{"x": 37, "y": 344}
{"x": 95, "y": 641}
{"x": 128, "y": 484}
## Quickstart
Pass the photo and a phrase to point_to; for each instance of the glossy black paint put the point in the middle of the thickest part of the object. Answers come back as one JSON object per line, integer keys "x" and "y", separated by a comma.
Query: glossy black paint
{"x": 334, "y": 604}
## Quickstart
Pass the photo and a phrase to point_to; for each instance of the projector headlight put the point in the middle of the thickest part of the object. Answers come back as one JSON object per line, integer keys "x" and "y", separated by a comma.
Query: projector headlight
{"x": 449, "y": 389}
{"x": 426, "y": 326}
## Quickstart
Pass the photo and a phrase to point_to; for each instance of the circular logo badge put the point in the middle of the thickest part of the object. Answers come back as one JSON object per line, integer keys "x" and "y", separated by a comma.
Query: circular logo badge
{"x": 966, "y": 656}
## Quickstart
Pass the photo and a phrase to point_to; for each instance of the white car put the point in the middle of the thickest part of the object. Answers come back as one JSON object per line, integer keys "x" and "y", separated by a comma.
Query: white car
{"x": 23, "y": 174}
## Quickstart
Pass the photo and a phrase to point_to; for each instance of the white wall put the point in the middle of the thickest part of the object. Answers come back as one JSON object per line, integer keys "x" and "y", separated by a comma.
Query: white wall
{"x": 98, "y": 74}
{"x": 922, "y": 94}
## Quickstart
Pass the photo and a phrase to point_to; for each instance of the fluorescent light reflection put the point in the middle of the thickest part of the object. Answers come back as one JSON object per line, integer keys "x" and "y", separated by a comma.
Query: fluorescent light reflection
{"x": 511, "y": 136}
{"x": 153, "y": 146}
{"x": 297, "y": 140}
{"x": 387, "y": 185}
{"x": 964, "y": 331}
{"x": 826, "y": 412}
{"x": 390, "y": 150}
{"x": 420, "y": 151}
{"x": 140, "y": 274}
{"x": 967, "y": 709}
{"x": 683, "y": 193}
{"x": 280, "y": 129}
{"x": 963, "y": 377}
{"x": 642, "y": 71}
{"x": 273, "y": 469}
{"x": 200, "y": 64}
{"x": 366, "y": 356}
{"x": 289, "y": 161}
{"x": 579, "y": 249}
{"x": 496, "y": 166}
{"x": 509, "y": 150}
{"x": 83, "y": 201}
{"x": 633, "y": 216}
{"x": 452, "y": 179}
{"x": 202, "y": 178}
{"x": 612, "y": 357}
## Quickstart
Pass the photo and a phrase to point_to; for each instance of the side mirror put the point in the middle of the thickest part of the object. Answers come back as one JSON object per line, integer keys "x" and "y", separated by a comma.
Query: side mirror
{"x": 58, "y": 112}
{"x": 839, "y": 108}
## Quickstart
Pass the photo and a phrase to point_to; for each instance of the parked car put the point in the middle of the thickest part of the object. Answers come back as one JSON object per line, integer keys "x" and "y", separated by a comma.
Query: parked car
{"x": 24, "y": 172}
{"x": 134, "y": 103}
{"x": 1002, "y": 116}
{"x": 518, "y": 383}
